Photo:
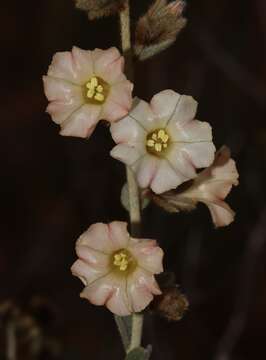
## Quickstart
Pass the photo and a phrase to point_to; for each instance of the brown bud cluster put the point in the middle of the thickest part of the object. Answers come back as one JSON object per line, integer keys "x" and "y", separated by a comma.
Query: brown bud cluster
{"x": 100, "y": 8}
{"x": 172, "y": 304}
{"x": 158, "y": 28}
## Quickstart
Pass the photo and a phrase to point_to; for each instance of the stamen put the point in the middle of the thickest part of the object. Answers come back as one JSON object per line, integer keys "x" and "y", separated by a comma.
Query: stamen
{"x": 150, "y": 143}
{"x": 121, "y": 261}
{"x": 96, "y": 89}
{"x": 90, "y": 93}
{"x": 99, "y": 97}
{"x": 157, "y": 141}
{"x": 99, "y": 88}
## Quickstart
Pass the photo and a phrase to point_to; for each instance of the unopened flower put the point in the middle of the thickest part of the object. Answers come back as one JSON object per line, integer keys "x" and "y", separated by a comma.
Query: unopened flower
{"x": 117, "y": 270}
{"x": 84, "y": 87}
{"x": 162, "y": 142}
{"x": 210, "y": 187}
{"x": 159, "y": 27}
{"x": 172, "y": 304}
{"x": 100, "y": 8}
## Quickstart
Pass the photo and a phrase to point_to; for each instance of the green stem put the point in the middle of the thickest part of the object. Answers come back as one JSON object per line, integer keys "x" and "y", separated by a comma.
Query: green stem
{"x": 133, "y": 189}
{"x": 136, "y": 331}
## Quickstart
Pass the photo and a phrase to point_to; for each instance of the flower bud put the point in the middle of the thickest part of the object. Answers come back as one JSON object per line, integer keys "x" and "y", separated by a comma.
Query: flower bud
{"x": 172, "y": 304}
{"x": 158, "y": 28}
{"x": 100, "y": 8}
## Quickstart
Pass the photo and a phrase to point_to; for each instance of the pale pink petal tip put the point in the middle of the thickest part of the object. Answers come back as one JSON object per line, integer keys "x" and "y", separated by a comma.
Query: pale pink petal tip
{"x": 64, "y": 89}
{"x": 212, "y": 186}
{"x": 121, "y": 292}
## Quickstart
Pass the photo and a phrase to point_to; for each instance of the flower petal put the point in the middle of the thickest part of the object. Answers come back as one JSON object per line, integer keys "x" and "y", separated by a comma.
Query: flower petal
{"x": 140, "y": 288}
{"x": 119, "y": 234}
{"x": 142, "y": 113}
{"x": 121, "y": 94}
{"x": 185, "y": 111}
{"x": 146, "y": 169}
{"x": 87, "y": 273}
{"x": 83, "y": 64}
{"x": 82, "y": 122}
{"x": 192, "y": 131}
{"x": 222, "y": 214}
{"x": 166, "y": 178}
{"x": 181, "y": 162}
{"x": 62, "y": 67}
{"x": 112, "y": 111}
{"x": 103, "y": 60}
{"x": 93, "y": 257}
{"x": 61, "y": 90}
{"x": 99, "y": 291}
{"x": 113, "y": 72}
{"x": 164, "y": 104}
{"x": 127, "y": 154}
{"x": 200, "y": 154}
{"x": 128, "y": 131}
{"x": 119, "y": 302}
{"x": 64, "y": 96}
{"x": 149, "y": 256}
{"x": 97, "y": 237}
{"x": 109, "y": 291}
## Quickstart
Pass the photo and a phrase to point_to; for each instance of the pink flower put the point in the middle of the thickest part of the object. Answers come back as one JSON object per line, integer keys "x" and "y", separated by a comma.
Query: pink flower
{"x": 210, "y": 187}
{"x": 84, "y": 87}
{"x": 214, "y": 184}
{"x": 117, "y": 270}
{"x": 162, "y": 142}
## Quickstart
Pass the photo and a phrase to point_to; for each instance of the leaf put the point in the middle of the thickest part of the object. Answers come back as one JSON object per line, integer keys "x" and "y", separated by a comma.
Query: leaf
{"x": 125, "y": 198}
{"x": 139, "y": 353}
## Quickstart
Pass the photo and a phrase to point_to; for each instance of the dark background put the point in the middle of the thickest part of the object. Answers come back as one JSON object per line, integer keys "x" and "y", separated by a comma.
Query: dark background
{"x": 53, "y": 188}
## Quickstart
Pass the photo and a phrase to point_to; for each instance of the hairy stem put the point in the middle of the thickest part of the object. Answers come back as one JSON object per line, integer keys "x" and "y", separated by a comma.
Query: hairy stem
{"x": 133, "y": 190}
{"x": 136, "y": 331}
{"x": 11, "y": 341}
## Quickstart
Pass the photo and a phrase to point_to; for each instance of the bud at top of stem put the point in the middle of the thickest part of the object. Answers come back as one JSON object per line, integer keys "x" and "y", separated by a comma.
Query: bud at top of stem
{"x": 159, "y": 27}
{"x": 100, "y": 8}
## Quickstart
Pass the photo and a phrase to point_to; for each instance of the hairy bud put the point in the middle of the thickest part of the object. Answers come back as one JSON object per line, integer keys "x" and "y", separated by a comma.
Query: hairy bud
{"x": 100, "y": 8}
{"x": 172, "y": 304}
{"x": 158, "y": 28}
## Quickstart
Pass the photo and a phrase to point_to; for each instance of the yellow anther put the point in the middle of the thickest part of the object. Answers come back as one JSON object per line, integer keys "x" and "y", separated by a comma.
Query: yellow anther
{"x": 99, "y": 97}
{"x": 90, "y": 93}
{"x": 150, "y": 143}
{"x": 89, "y": 85}
{"x": 158, "y": 147}
{"x": 121, "y": 261}
{"x": 157, "y": 141}
{"x": 94, "y": 81}
{"x": 99, "y": 88}
{"x": 163, "y": 136}
{"x": 161, "y": 133}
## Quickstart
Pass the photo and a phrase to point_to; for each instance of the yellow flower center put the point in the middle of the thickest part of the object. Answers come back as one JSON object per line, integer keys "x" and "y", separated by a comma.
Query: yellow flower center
{"x": 157, "y": 141}
{"x": 123, "y": 261}
{"x": 96, "y": 90}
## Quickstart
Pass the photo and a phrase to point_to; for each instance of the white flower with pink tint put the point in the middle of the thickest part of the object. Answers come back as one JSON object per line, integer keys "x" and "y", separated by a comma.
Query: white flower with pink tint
{"x": 213, "y": 185}
{"x": 162, "y": 142}
{"x": 84, "y": 87}
{"x": 117, "y": 270}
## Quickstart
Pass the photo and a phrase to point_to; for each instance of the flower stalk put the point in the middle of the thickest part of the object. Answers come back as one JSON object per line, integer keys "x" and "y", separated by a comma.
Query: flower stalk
{"x": 133, "y": 189}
